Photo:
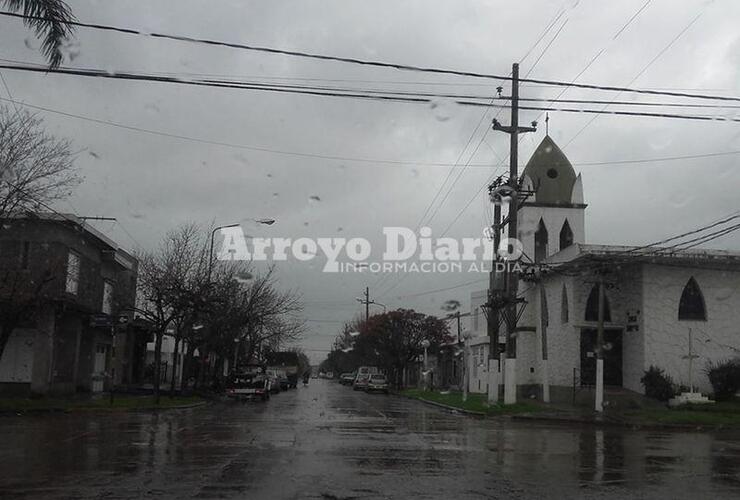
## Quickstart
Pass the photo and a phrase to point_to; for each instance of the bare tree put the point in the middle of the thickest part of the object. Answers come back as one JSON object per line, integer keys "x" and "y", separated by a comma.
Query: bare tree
{"x": 35, "y": 167}
{"x": 50, "y": 20}
{"x": 166, "y": 280}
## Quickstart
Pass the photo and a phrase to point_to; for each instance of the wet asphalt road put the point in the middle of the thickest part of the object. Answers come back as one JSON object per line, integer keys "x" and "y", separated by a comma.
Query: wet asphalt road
{"x": 326, "y": 441}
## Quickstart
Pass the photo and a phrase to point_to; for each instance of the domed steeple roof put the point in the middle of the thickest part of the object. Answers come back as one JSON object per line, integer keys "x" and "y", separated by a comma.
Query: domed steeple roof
{"x": 551, "y": 174}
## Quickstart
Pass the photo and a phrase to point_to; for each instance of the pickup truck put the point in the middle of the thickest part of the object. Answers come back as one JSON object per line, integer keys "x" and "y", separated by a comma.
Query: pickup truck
{"x": 248, "y": 385}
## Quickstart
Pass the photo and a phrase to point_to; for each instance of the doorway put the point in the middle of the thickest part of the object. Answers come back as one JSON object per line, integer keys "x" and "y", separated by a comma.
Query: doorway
{"x": 612, "y": 357}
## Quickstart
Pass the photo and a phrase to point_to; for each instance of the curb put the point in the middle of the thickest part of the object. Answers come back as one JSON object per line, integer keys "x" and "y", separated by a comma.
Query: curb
{"x": 101, "y": 410}
{"x": 613, "y": 422}
{"x": 443, "y": 406}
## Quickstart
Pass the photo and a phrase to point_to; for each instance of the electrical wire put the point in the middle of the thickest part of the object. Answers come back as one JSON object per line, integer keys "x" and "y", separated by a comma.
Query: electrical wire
{"x": 406, "y": 67}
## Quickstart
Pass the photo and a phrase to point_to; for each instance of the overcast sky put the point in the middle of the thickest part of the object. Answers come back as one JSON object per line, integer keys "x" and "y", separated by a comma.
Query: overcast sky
{"x": 153, "y": 183}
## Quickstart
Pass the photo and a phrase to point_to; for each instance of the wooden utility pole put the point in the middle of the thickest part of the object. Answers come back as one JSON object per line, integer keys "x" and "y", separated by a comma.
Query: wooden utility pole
{"x": 513, "y": 279}
{"x": 367, "y": 303}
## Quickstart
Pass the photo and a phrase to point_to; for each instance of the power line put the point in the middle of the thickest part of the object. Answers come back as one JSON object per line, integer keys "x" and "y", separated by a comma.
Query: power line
{"x": 364, "y": 62}
{"x": 641, "y": 72}
{"x": 483, "y": 136}
{"x": 261, "y": 149}
{"x": 152, "y": 78}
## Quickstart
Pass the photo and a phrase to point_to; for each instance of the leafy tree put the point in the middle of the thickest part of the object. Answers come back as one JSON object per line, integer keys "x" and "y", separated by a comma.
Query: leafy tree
{"x": 390, "y": 340}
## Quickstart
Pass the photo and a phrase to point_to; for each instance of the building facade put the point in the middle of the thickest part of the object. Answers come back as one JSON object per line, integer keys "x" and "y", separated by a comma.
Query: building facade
{"x": 66, "y": 303}
{"x": 663, "y": 305}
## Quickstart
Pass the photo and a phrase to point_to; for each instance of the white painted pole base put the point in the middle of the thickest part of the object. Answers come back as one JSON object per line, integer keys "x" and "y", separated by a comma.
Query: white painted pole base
{"x": 545, "y": 382}
{"x": 492, "y": 381}
{"x": 510, "y": 381}
{"x": 599, "y": 403}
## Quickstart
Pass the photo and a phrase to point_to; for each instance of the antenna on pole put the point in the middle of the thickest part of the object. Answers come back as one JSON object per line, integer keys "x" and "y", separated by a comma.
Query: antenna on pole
{"x": 547, "y": 123}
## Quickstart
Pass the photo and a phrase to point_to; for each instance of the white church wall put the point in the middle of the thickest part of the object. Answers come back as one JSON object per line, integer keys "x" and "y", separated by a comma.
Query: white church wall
{"x": 563, "y": 341}
{"x": 553, "y": 217}
{"x": 630, "y": 298}
{"x": 666, "y": 338}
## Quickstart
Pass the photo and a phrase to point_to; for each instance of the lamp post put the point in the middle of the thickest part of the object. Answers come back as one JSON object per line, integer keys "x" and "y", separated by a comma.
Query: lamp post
{"x": 266, "y": 222}
{"x": 210, "y": 251}
{"x": 466, "y": 337}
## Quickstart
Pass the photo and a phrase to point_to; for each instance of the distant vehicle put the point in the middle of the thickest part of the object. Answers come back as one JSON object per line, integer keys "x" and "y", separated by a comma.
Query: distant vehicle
{"x": 377, "y": 383}
{"x": 276, "y": 377}
{"x": 248, "y": 384}
{"x": 286, "y": 361}
{"x": 329, "y": 374}
{"x": 347, "y": 378}
{"x": 360, "y": 383}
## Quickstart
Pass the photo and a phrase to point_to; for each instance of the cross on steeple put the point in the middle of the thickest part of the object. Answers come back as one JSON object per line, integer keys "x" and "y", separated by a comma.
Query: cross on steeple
{"x": 547, "y": 123}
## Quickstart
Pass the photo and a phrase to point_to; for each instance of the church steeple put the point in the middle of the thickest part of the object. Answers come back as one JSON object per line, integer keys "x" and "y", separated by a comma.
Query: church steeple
{"x": 551, "y": 175}
{"x": 552, "y": 219}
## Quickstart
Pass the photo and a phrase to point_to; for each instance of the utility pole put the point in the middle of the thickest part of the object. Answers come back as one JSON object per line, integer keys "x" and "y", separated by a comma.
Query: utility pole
{"x": 543, "y": 339}
{"x": 366, "y": 300}
{"x": 513, "y": 279}
{"x": 494, "y": 299}
{"x": 691, "y": 357}
{"x": 599, "y": 397}
{"x": 367, "y": 303}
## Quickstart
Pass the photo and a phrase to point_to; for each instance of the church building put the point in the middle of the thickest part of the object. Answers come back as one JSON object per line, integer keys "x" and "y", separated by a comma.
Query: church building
{"x": 674, "y": 308}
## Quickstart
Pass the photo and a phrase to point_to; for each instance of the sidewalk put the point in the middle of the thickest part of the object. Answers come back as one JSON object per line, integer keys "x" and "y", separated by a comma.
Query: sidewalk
{"x": 725, "y": 415}
{"x": 121, "y": 403}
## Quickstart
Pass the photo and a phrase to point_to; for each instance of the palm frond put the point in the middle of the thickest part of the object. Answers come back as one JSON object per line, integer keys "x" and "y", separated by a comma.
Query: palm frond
{"x": 50, "y": 20}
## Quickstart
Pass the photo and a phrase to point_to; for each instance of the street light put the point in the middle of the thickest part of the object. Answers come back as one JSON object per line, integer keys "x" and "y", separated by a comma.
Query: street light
{"x": 266, "y": 222}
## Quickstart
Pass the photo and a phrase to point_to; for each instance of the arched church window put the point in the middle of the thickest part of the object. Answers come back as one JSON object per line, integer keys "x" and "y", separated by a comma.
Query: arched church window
{"x": 564, "y": 305}
{"x": 566, "y": 236}
{"x": 592, "y": 306}
{"x": 540, "y": 242}
{"x": 691, "y": 307}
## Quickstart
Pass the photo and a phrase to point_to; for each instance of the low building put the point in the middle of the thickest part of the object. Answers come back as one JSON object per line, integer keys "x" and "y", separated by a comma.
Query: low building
{"x": 67, "y": 299}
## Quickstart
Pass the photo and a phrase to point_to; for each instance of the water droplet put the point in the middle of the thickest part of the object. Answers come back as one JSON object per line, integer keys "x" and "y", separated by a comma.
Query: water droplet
{"x": 71, "y": 49}
{"x": 723, "y": 293}
{"x": 442, "y": 109}
{"x": 275, "y": 195}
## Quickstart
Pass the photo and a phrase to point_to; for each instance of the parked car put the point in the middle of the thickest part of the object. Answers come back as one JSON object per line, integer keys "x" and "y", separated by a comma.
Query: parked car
{"x": 347, "y": 378}
{"x": 360, "y": 383}
{"x": 377, "y": 383}
{"x": 245, "y": 385}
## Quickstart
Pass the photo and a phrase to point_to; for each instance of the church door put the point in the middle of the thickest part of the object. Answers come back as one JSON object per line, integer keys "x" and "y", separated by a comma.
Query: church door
{"x": 612, "y": 357}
